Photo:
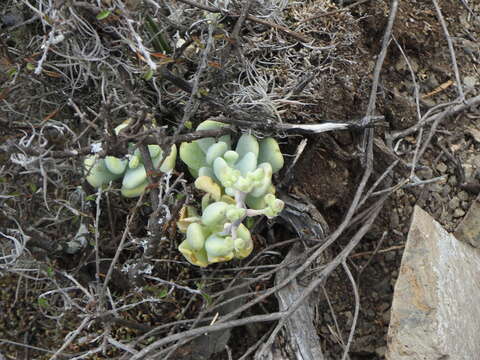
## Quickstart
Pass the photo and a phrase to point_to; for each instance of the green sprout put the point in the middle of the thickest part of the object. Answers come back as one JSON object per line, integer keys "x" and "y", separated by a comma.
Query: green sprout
{"x": 100, "y": 172}
{"x": 237, "y": 185}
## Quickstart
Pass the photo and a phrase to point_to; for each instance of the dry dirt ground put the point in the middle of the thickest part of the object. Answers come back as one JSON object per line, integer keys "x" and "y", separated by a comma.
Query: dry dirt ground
{"x": 39, "y": 316}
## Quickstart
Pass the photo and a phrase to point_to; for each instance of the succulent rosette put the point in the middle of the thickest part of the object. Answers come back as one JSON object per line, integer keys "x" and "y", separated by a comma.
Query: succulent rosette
{"x": 237, "y": 184}
{"x": 100, "y": 172}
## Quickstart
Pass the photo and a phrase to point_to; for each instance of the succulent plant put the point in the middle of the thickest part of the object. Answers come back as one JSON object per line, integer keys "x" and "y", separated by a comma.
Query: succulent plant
{"x": 100, "y": 172}
{"x": 237, "y": 184}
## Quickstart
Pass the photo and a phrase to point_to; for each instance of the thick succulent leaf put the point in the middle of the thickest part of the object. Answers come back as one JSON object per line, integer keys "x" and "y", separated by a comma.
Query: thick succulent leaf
{"x": 230, "y": 157}
{"x": 205, "y": 143}
{"x": 208, "y": 171}
{"x": 169, "y": 162}
{"x": 134, "y": 177}
{"x": 247, "y": 143}
{"x": 214, "y": 213}
{"x": 193, "y": 172}
{"x": 97, "y": 172}
{"x": 207, "y": 184}
{"x": 196, "y": 236}
{"x": 195, "y": 257}
{"x": 115, "y": 165}
{"x": 219, "y": 246}
{"x": 247, "y": 163}
{"x": 265, "y": 183}
{"x": 224, "y": 173}
{"x": 215, "y": 151}
{"x": 154, "y": 151}
{"x": 136, "y": 191}
{"x": 192, "y": 155}
{"x": 188, "y": 215}
{"x": 243, "y": 243}
{"x": 270, "y": 152}
{"x": 256, "y": 203}
{"x": 122, "y": 126}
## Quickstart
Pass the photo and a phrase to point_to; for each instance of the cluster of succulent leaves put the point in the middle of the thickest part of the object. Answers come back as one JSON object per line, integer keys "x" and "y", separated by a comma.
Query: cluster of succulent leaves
{"x": 100, "y": 172}
{"x": 237, "y": 184}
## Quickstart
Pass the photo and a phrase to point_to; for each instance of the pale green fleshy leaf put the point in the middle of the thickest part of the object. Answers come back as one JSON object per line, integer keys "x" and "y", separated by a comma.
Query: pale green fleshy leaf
{"x": 247, "y": 143}
{"x": 136, "y": 191}
{"x": 192, "y": 155}
{"x": 247, "y": 163}
{"x": 169, "y": 162}
{"x": 115, "y": 165}
{"x": 219, "y": 246}
{"x": 198, "y": 258}
{"x": 264, "y": 185}
{"x": 196, "y": 236}
{"x": 214, "y": 213}
{"x": 97, "y": 172}
{"x": 270, "y": 152}
{"x": 215, "y": 151}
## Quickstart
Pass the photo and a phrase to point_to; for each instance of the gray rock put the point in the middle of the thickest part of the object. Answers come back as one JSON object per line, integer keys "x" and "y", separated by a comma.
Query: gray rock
{"x": 470, "y": 81}
{"x": 442, "y": 167}
{"x": 458, "y": 213}
{"x": 435, "y": 312}
{"x": 463, "y": 195}
{"x": 469, "y": 229}
{"x": 454, "y": 203}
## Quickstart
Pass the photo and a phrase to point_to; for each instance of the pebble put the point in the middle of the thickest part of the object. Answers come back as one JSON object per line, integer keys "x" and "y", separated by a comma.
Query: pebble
{"x": 452, "y": 180}
{"x": 386, "y": 316}
{"x": 446, "y": 190}
{"x": 394, "y": 220}
{"x": 463, "y": 195}
{"x": 465, "y": 205}
{"x": 470, "y": 81}
{"x": 454, "y": 203}
{"x": 381, "y": 351}
{"x": 383, "y": 307}
{"x": 458, "y": 213}
{"x": 390, "y": 256}
{"x": 469, "y": 170}
{"x": 442, "y": 167}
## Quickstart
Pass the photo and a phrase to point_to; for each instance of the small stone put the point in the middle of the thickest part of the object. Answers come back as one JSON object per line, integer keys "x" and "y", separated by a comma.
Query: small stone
{"x": 469, "y": 229}
{"x": 381, "y": 351}
{"x": 390, "y": 256}
{"x": 452, "y": 180}
{"x": 458, "y": 213}
{"x": 469, "y": 171}
{"x": 463, "y": 195}
{"x": 386, "y": 316}
{"x": 394, "y": 220}
{"x": 465, "y": 205}
{"x": 454, "y": 203}
{"x": 442, "y": 167}
{"x": 383, "y": 307}
{"x": 470, "y": 81}
{"x": 446, "y": 191}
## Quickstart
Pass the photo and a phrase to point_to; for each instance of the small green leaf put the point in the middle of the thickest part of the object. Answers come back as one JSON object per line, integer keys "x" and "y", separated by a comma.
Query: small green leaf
{"x": 50, "y": 272}
{"x": 103, "y": 14}
{"x": 207, "y": 298}
{"x": 163, "y": 292}
{"x": 91, "y": 197}
{"x": 189, "y": 125}
{"x": 30, "y": 66}
{"x": 42, "y": 302}
{"x": 33, "y": 188}
{"x": 11, "y": 73}
{"x": 148, "y": 75}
